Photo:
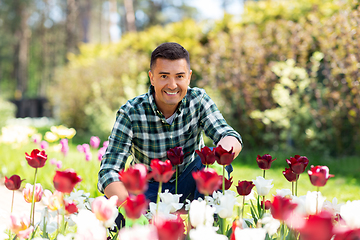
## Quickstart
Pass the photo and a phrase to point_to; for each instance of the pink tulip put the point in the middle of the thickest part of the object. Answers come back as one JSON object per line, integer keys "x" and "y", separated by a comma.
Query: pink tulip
{"x": 44, "y": 145}
{"x": 88, "y": 156}
{"x": 105, "y": 210}
{"x": 20, "y": 225}
{"x": 64, "y": 146}
{"x": 105, "y": 144}
{"x": 28, "y": 192}
{"x": 101, "y": 152}
{"x": 54, "y": 201}
{"x": 94, "y": 141}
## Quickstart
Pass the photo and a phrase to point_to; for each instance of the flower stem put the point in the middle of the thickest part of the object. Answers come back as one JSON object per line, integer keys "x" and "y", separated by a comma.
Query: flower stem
{"x": 223, "y": 181}
{"x": 317, "y": 199}
{"x": 12, "y": 201}
{"x": 176, "y": 179}
{"x": 264, "y": 174}
{"x": 296, "y": 185}
{"x": 243, "y": 206}
{"x": 33, "y": 200}
{"x": 263, "y": 205}
{"x": 292, "y": 188}
{"x": 158, "y": 197}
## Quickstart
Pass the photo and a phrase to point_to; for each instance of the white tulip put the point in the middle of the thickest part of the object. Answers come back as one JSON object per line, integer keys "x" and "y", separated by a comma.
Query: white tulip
{"x": 271, "y": 224}
{"x": 333, "y": 206}
{"x": 225, "y": 206}
{"x": 172, "y": 200}
{"x": 310, "y": 202}
{"x": 250, "y": 234}
{"x": 201, "y": 214}
{"x": 350, "y": 212}
{"x": 88, "y": 226}
{"x": 205, "y": 232}
{"x": 284, "y": 193}
{"x": 263, "y": 186}
{"x": 146, "y": 232}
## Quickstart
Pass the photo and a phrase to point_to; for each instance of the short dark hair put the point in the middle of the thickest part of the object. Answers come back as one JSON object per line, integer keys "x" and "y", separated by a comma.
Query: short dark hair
{"x": 171, "y": 51}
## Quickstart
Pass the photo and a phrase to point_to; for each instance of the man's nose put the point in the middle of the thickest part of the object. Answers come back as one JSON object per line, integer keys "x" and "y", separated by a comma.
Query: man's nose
{"x": 172, "y": 83}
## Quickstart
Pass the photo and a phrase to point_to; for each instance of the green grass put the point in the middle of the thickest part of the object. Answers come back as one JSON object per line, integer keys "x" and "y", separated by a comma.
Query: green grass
{"x": 344, "y": 186}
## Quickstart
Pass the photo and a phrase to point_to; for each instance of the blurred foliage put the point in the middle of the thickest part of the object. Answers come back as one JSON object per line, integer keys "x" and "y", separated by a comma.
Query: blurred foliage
{"x": 245, "y": 68}
{"x": 7, "y": 111}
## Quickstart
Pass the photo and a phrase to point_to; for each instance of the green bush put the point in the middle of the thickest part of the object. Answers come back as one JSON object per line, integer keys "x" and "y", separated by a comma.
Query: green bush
{"x": 7, "y": 111}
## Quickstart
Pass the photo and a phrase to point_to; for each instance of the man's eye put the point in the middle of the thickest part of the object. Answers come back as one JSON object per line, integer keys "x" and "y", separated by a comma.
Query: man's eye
{"x": 163, "y": 76}
{"x": 180, "y": 76}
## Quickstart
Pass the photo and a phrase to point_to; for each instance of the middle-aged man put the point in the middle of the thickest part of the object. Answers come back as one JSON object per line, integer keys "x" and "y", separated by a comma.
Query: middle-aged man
{"x": 170, "y": 114}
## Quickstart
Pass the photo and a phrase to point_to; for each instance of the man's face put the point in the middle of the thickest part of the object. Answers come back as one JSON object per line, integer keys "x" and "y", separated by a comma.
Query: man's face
{"x": 170, "y": 79}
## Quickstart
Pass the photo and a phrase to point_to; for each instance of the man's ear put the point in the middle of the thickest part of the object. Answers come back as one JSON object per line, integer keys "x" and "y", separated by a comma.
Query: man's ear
{"x": 151, "y": 76}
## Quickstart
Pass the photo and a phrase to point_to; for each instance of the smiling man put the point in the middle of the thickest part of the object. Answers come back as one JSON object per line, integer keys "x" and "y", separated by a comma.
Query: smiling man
{"x": 170, "y": 114}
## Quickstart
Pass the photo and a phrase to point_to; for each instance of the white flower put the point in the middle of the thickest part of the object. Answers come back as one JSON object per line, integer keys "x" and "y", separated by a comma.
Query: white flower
{"x": 146, "y": 232}
{"x": 88, "y": 226}
{"x": 225, "y": 207}
{"x": 250, "y": 234}
{"x": 80, "y": 198}
{"x": 201, "y": 214}
{"x": 284, "y": 193}
{"x": 205, "y": 232}
{"x": 350, "y": 212}
{"x": 333, "y": 206}
{"x": 310, "y": 202}
{"x": 271, "y": 224}
{"x": 250, "y": 196}
{"x": 172, "y": 200}
{"x": 262, "y": 185}
{"x": 163, "y": 211}
{"x": 300, "y": 201}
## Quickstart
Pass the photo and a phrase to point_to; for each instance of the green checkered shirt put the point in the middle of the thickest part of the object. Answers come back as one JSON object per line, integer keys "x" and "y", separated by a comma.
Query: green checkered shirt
{"x": 142, "y": 131}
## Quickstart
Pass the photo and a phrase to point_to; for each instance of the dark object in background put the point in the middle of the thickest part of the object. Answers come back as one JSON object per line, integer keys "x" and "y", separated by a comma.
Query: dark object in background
{"x": 32, "y": 107}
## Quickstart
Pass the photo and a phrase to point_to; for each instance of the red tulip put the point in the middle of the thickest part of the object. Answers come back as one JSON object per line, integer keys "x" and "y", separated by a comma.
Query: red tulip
{"x": 224, "y": 157}
{"x": 228, "y": 183}
{"x": 282, "y": 207}
{"x": 349, "y": 234}
{"x": 36, "y": 159}
{"x": 207, "y": 155}
{"x": 135, "y": 206}
{"x": 319, "y": 175}
{"x": 175, "y": 155}
{"x": 135, "y": 179}
{"x": 289, "y": 175}
{"x": 161, "y": 171}
{"x": 265, "y": 161}
{"x": 70, "y": 207}
{"x": 244, "y": 187}
{"x": 207, "y": 181}
{"x": 298, "y": 163}
{"x": 13, "y": 183}
{"x": 267, "y": 204}
{"x": 65, "y": 181}
{"x": 317, "y": 227}
{"x": 170, "y": 229}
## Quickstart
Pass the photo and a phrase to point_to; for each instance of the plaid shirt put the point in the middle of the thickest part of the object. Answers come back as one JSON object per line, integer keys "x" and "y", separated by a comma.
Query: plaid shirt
{"x": 142, "y": 131}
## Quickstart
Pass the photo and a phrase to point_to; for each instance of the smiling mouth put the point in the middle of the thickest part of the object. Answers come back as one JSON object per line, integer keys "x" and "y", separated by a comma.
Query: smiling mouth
{"x": 171, "y": 93}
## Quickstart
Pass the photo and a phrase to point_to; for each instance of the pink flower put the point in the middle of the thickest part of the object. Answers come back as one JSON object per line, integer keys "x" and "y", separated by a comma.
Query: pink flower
{"x": 88, "y": 156}
{"x": 54, "y": 201}
{"x": 64, "y": 146}
{"x": 94, "y": 141}
{"x": 20, "y": 225}
{"x": 70, "y": 207}
{"x": 224, "y": 157}
{"x": 105, "y": 144}
{"x": 135, "y": 205}
{"x": 161, "y": 171}
{"x": 36, "y": 159}
{"x": 13, "y": 183}
{"x": 135, "y": 178}
{"x": 105, "y": 210}
{"x": 28, "y": 192}
{"x": 65, "y": 181}
{"x": 319, "y": 175}
{"x": 207, "y": 180}
{"x": 44, "y": 144}
{"x": 101, "y": 153}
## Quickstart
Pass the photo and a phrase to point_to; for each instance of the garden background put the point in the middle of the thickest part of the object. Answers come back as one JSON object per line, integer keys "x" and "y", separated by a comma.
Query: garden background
{"x": 285, "y": 76}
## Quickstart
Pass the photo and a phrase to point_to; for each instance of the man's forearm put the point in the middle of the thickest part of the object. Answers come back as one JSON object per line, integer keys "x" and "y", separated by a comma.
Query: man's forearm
{"x": 228, "y": 142}
{"x": 118, "y": 189}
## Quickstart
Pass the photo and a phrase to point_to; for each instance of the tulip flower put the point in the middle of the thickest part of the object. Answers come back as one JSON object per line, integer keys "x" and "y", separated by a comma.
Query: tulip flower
{"x": 135, "y": 206}
{"x": 70, "y": 207}
{"x": 54, "y": 201}
{"x": 176, "y": 157}
{"x": 171, "y": 200}
{"x": 36, "y": 159}
{"x": 65, "y": 181}
{"x": 265, "y": 205}
{"x": 207, "y": 155}
{"x": 289, "y": 175}
{"x": 244, "y": 187}
{"x": 348, "y": 234}
{"x": 28, "y": 192}
{"x": 201, "y": 214}
{"x": 135, "y": 178}
{"x": 170, "y": 229}
{"x": 207, "y": 181}
{"x": 317, "y": 227}
{"x": 64, "y": 146}
{"x": 319, "y": 175}
{"x": 105, "y": 209}
{"x": 63, "y": 132}
{"x": 162, "y": 171}
{"x": 139, "y": 232}
{"x": 51, "y": 137}
{"x": 265, "y": 161}
{"x": 228, "y": 183}
{"x": 350, "y": 213}
{"x": 281, "y": 208}
{"x": 101, "y": 153}
{"x": 263, "y": 186}
{"x": 44, "y": 145}
{"x": 225, "y": 208}
{"x": 13, "y": 183}
{"x": 224, "y": 157}
{"x": 298, "y": 163}
{"x": 20, "y": 225}
{"x": 95, "y": 142}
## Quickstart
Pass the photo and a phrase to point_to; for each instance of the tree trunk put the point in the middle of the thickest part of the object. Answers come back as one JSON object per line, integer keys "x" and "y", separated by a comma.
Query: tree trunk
{"x": 130, "y": 15}
{"x": 71, "y": 40}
